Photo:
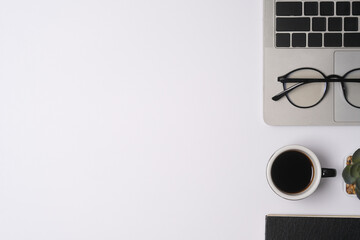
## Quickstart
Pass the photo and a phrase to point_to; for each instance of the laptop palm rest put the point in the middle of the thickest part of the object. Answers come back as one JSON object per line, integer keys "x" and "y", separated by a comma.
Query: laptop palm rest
{"x": 345, "y": 61}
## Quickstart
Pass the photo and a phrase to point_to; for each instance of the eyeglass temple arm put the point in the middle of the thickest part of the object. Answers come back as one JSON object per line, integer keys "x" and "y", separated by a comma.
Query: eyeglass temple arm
{"x": 302, "y": 81}
{"x": 283, "y": 93}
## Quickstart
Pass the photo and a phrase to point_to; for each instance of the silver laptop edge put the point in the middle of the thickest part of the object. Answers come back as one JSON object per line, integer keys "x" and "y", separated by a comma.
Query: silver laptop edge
{"x": 279, "y": 61}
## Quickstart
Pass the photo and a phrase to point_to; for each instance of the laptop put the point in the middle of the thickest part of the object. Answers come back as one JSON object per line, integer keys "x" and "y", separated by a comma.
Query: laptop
{"x": 311, "y": 62}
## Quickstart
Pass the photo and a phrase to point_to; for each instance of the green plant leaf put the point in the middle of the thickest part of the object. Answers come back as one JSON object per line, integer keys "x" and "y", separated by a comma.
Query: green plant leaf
{"x": 357, "y": 184}
{"x": 347, "y": 176}
{"x": 356, "y": 156}
{"x": 355, "y": 170}
{"x": 357, "y": 191}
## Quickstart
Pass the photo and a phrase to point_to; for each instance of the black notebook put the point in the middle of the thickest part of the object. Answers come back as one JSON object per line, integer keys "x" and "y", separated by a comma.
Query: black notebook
{"x": 301, "y": 227}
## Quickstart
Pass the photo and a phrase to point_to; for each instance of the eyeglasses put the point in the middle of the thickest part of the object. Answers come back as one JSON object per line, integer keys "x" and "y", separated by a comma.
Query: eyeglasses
{"x": 306, "y": 87}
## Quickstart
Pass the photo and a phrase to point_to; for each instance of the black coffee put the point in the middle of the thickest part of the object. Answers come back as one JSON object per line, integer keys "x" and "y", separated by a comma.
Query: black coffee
{"x": 292, "y": 172}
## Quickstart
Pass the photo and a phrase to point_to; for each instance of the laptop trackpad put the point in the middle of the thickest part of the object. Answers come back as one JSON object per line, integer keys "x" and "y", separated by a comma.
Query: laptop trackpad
{"x": 344, "y": 62}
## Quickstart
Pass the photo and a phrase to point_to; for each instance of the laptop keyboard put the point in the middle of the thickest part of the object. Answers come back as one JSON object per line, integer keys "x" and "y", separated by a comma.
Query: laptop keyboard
{"x": 317, "y": 24}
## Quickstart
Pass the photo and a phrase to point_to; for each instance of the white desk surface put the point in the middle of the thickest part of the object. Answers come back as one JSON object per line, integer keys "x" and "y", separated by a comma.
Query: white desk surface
{"x": 141, "y": 119}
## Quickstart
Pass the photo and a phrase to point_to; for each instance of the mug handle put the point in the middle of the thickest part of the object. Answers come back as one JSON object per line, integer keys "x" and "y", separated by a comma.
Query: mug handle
{"x": 328, "y": 172}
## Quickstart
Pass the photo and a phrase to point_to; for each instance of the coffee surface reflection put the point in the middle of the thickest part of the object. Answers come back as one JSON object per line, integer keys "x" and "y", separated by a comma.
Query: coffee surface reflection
{"x": 292, "y": 172}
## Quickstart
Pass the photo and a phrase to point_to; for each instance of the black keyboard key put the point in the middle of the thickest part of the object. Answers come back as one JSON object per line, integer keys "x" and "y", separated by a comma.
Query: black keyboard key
{"x": 288, "y": 8}
{"x": 315, "y": 40}
{"x": 319, "y": 24}
{"x": 326, "y": 8}
{"x": 283, "y": 39}
{"x": 332, "y": 39}
{"x": 351, "y": 39}
{"x": 292, "y": 24}
{"x": 343, "y": 8}
{"x": 356, "y": 8}
{"x": 351, "y": 24}
{"x": 311, "y": 8}
{"x": 334, "y": 24}
{"x": 299, "y": 40}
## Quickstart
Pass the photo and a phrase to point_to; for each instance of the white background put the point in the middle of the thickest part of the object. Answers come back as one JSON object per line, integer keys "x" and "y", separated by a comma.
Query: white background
{"x": 142, "y": 119}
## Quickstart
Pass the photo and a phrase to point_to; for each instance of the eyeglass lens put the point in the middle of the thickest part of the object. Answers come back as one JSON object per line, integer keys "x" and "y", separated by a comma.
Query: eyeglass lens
{"x": 352, "y": 89}
{"x": 309, "y": 94}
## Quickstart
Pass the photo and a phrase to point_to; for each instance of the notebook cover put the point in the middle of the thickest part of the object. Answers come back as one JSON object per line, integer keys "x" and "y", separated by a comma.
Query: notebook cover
{"x": 294, "y": 227}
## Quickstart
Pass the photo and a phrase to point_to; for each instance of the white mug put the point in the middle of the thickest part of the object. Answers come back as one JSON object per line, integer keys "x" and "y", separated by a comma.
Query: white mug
{"x": 294, "y": 172}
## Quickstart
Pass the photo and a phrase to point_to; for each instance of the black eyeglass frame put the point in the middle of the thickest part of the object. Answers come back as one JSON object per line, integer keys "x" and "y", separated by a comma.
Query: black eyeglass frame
{"x": 326, "y": 79}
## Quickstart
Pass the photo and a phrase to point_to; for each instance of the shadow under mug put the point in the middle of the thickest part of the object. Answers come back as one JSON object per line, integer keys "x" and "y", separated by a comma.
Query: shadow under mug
{"x": 294, "y": 172}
